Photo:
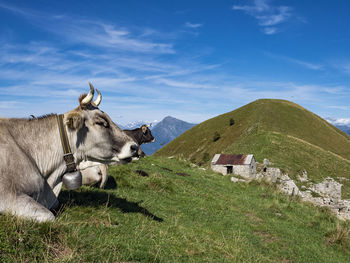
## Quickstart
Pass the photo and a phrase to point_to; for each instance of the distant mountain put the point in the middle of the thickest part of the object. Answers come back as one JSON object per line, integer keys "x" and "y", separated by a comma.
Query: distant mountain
{"x": 344, "y": 128}
{"x": 136, "y": 124}
{"x": 341, "y": 124}
{"x": 164, "y": 132}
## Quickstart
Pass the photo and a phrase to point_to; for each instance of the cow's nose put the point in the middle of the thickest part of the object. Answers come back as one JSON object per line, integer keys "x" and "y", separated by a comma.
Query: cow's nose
{"x": 134, "y": 148}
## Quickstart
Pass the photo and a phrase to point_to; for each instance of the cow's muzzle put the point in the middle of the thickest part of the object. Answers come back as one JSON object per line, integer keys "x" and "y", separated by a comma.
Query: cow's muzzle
{"x": 129, "y": 150}
{"x": 134, "y": 149}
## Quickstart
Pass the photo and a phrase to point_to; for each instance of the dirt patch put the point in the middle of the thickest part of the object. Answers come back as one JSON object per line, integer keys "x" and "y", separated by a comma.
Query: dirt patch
{"x": 253, "y": 217}
{"x": 141, "y": 173}
{"x": 268, "y": 238}
{"x": 167, "y": 169}
{"x": 60, "y": 251}
{"x": 182, "y": 174}
{"x": 283, "y": 260}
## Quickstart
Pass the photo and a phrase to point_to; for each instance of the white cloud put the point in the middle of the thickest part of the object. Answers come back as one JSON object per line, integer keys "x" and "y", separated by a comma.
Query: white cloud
{"x": 305, "y": 64}
{"x": 191, "y": 25}
{"x": 268, "y": 16}
{"x": 272, "y": 19}
{"x": 341, "y": 121}
{"x": 270, "y": 30}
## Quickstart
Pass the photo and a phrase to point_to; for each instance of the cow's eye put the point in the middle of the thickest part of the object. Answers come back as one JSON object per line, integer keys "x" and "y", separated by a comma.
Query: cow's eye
{"x": 103, "y": 123}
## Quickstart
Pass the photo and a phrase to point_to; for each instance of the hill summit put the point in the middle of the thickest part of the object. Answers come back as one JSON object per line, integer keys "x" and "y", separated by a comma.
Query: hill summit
{"x": 290, "y": 136}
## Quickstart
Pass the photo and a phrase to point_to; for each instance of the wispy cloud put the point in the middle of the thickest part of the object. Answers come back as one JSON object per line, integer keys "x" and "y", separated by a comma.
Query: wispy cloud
{"x": 342, "y": 66}
{"x": 106, "y": 35}
{"x": 305, "y": 64}
{"x": 192, "y": 25}
{"x": 268, "y": 16}
{"x": 8, "y": 104}
{"x": 339, "y": 107}
{"x": 270, "y": 30}
{"x": 91, "y": 32}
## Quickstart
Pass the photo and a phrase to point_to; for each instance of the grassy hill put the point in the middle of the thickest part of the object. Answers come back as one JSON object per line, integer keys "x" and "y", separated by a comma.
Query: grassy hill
{"x": 178, "y": 213}
{"x": 290, "y": 136}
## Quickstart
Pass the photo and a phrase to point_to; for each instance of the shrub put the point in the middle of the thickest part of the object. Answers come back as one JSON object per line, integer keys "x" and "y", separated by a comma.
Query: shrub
{"x": 232, "y": 122}
{"x": 206, "y": 157}
{"x": 216, "y": 137}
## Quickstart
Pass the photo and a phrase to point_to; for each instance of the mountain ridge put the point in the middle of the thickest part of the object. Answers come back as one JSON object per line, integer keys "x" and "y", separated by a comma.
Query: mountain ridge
{"x": 165, "y": 131}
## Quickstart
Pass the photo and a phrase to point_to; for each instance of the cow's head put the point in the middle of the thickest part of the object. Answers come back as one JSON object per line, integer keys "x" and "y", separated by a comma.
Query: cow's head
{"x": 146, "y": 134}
{"x": 95, "y": 136}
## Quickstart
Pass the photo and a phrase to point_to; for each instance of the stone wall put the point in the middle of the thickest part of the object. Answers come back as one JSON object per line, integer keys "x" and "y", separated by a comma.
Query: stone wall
{"x": 242, "y": 170}
{"x": 219, "y": 168}
{"x": 246, "y": 171}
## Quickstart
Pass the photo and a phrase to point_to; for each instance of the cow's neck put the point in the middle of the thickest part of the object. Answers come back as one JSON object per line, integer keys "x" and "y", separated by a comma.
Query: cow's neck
{"x": 40, "y": 139}
{"x": 137, "y": 134}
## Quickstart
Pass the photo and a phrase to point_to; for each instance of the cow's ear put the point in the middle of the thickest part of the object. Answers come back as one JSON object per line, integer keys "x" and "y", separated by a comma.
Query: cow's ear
{"x": 144, "y": 128}
{"x": 74, "y": 120}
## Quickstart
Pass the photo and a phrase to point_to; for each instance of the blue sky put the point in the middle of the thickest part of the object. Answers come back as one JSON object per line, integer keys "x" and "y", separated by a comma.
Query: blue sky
{"x": 189, "y": 59}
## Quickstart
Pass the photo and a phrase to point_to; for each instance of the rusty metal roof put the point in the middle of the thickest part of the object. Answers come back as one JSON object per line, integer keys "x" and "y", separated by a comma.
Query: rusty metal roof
{"x": 233, "y": 159}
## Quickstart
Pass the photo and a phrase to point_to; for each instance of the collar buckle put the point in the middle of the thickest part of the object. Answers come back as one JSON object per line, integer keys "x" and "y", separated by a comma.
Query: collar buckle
{"x": 70, "y": 163}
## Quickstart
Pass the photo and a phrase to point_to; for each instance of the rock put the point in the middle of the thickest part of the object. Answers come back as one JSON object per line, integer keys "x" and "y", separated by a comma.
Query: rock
{"x": 344, "y": 210}
{"x": 266, "y": 162}
{"x": 259, "y": 176}
{"x": 303, "y": 178}
{"x": 288, "y": 186}
{"x": 328, "y": 188}
{"x": 236, "y": 180}
{"x": 305, "y": 195}
{"x": 272, "y": 174}
{"x": 278, "y": 214}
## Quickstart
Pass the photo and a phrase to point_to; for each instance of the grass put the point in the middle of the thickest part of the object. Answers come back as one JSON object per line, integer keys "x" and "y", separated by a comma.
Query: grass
{"x": 290, "y": 136}
{"x": 284, "y": 150}
{"x": 177, "y": 214}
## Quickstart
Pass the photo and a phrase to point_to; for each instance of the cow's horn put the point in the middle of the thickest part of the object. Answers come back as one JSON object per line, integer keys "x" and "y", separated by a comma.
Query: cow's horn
{"x": 87, "y": 100}
{"x": 98, "y": 99}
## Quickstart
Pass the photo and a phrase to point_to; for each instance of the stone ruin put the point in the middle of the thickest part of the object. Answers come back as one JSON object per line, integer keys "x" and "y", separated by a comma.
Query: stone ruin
{"x": 324, "y": 194}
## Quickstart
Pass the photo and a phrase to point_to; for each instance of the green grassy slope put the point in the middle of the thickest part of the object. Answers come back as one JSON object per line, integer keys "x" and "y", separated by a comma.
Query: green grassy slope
{"x": 177, "y": 214}
{"x": 290, "y": 136}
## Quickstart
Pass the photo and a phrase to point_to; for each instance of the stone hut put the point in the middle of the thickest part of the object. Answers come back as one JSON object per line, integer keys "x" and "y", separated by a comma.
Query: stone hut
{"x": 240, "y": 164}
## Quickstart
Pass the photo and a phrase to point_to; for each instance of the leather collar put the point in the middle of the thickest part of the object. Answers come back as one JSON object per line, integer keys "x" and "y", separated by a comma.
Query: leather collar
{"x": 67, "y": 153}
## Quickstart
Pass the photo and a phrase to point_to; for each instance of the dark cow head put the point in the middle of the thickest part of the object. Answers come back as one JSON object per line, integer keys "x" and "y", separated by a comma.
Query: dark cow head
{"x": 146, "y": 134}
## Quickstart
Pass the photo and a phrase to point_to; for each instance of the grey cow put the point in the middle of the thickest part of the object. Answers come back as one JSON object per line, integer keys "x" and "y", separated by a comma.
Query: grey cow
{"x": 31, "y": 155}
